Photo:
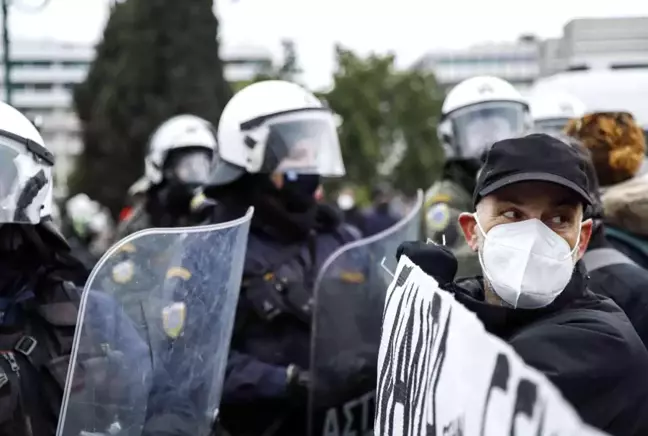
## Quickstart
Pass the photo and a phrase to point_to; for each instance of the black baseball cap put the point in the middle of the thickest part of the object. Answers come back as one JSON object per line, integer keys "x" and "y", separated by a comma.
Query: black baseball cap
{"x": 538, "y": 158}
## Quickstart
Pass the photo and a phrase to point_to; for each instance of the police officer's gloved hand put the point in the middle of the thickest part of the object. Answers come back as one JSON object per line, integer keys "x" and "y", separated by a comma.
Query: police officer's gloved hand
{"x": 298, "y": 384}
{"x": 436, "y": 260}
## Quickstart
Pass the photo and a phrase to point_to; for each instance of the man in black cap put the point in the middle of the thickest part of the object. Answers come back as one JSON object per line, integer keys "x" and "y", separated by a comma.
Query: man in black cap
{"x": 529, "y": 233}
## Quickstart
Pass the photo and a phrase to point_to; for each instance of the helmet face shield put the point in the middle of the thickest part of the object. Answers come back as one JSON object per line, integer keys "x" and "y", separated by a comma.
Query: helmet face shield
{"x": 192, "y": 167}
{"x": 303, "y": 142}
{"x": 22, "y": 183}
{"x": 477, "y": 127}
{"x": 551, "y": 127}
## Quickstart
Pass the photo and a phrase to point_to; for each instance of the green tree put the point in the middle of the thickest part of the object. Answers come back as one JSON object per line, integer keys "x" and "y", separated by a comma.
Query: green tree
{"x": 157, "y": 59}
{"x": 389, "y": 121}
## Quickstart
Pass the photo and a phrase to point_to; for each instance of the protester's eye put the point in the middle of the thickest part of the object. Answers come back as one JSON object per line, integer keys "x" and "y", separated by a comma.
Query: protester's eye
{"x": 559, "y": 220}
{"x": 511, "y": 214}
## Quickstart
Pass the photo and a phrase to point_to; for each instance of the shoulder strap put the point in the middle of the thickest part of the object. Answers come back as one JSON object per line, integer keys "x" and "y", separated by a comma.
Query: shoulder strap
{"x": 602, "y": 257}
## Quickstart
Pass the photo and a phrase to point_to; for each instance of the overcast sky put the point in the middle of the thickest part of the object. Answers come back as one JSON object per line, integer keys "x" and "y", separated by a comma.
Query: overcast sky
{"x": 407, "y": 27}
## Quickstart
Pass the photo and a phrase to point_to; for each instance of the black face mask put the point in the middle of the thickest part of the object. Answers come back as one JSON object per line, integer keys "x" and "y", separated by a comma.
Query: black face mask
{"x": 302, "y": 185}
{"x": 176, "y": 196}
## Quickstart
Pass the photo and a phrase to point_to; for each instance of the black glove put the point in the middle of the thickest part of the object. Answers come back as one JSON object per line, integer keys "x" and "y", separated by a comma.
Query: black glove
{"x": 297, "y": 383}
{"x": 435, "y": 260}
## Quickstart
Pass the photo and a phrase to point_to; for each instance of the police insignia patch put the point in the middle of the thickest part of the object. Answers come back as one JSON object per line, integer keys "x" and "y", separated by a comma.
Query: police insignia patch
{"x": 173, "y": 319}
{"x": 438, "y": 217}
{"x": 127, "y": 248}
{"x": 352, "y": 277}
{"x": 123, "y": 272}
{"x": 179, "y": 272}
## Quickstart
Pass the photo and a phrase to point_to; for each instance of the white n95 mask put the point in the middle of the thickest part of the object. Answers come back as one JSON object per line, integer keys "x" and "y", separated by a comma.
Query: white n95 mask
{"x": 527, "y": 264}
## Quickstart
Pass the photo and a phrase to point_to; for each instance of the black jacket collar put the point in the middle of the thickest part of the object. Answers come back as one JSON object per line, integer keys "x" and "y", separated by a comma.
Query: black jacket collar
{"x": 505, "y": 321}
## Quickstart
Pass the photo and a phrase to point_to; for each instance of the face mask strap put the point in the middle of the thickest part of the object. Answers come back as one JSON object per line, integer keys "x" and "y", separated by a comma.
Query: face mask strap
{"x": 573, "y": 250}
{"x": 481, "y": 229}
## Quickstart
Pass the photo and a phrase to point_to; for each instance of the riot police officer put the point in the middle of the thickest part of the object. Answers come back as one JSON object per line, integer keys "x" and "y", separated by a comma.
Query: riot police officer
{"x": 38, "y": 306}
{"x": 87, "y": 228}
{"x": 276, "y": 140}
{"x": 178, "y": 161}
{"x": 475, "y": 114}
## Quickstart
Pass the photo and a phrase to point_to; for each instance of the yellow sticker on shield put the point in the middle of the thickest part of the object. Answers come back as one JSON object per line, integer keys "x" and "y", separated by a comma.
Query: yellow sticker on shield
{"x": 179, "y": 272}
{"x": 123, "y": 272}
{"x": 173, "y": 319}
{"x": 438, "y": 217}
{"x": 127, "y": 248}
{"x": 352, "y": 277}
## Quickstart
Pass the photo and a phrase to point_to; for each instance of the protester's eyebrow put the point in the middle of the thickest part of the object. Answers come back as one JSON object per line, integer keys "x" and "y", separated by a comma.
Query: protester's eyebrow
{"x": 515, "y": 199}
{"x": 566, "y": 201}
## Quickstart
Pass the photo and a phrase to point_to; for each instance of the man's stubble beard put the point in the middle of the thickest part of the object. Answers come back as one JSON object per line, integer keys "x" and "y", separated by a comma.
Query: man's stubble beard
{"x": 490, "y": 296}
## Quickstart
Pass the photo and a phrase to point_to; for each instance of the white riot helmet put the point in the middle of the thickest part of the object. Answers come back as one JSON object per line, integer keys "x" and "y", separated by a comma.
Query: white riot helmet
{"x": 25, "y": 170}
{"x": 86, "y": 215}
{"x": 478, "y": 112}
{"x": 552, "y": 111}
{"x": 276, "y": 126}
{"x": 189, "y": 133}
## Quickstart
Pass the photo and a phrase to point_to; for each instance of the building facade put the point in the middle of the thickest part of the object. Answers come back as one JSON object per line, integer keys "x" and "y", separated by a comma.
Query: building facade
{"x": 617, "y": 43}
{"x": 44, "y": 73}
{"x": 516, "y": 62}
{"x": 597, "y": 43}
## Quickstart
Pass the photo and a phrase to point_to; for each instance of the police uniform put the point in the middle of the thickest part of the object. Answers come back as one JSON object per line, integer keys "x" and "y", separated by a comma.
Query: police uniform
{"x": 272, "y": 331}
{"x": 444, "y": 202}
{"x": 37, "y": 347}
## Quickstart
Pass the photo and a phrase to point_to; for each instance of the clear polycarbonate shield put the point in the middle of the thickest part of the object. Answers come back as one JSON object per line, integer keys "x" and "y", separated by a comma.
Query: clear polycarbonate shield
{"x": 553, "y": 127}
{"x": 349, "y": 299}
{"x": 153, "y": 333}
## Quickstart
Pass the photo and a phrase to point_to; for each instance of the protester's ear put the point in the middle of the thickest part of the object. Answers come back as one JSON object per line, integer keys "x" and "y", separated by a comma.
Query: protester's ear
{"x": 469, "y": 227}
{"x": 585, "y": 235}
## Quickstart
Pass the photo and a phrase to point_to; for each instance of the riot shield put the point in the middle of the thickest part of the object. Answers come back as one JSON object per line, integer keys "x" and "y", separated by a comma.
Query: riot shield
{"x": 153, "y": 333}
{"x": 349, "y": 298}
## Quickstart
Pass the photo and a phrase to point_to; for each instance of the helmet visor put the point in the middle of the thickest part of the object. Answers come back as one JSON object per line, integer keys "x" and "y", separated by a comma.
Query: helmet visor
{"x": 192, "y": 167}
{"x": 301, "y": 142}
{"x": 477, "y": 127}
{"x": 553, "y": 127}
{"x": 22, "y": 183}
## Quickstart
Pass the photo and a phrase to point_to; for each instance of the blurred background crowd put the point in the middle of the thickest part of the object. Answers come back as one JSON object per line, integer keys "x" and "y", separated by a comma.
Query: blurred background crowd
{"x": 97, "y": 77}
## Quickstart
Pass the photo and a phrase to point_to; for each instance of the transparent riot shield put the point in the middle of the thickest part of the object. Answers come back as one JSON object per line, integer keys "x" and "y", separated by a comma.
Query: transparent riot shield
{"x": 153, "y": 333}
{"x": 349, "y": 299}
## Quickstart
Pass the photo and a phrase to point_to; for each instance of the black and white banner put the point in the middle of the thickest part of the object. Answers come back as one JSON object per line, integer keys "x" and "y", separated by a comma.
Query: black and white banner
{"x": 441, "y": 374}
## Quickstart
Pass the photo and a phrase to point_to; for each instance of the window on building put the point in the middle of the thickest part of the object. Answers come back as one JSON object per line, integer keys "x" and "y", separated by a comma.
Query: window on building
{"x": 32, "y": 64}
{"x": 69, "y": 86}
{"x": 75, "y": 63}
{"x": 43, "y": 86}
